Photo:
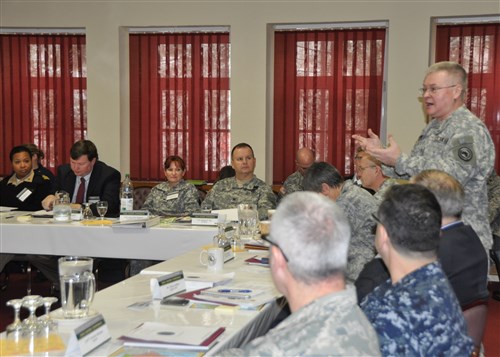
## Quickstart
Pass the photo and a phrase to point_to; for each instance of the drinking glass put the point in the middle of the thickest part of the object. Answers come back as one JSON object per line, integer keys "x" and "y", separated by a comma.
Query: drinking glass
{"x": 102, "y": 208}
{"x": 248, "y": 219}
{"x": 16, "y": 326}
{"x": 31, "y": 323}
{"x": 45, "y": 319}
{"x": 87, "y": 212}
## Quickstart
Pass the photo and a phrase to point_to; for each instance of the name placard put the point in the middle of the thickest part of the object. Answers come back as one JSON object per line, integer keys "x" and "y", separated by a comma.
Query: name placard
{"x": 88, "y": 336}
{"x": 204, "y": 219}
{"x": 134, "y": 215}
{"x": 167, "y": 285}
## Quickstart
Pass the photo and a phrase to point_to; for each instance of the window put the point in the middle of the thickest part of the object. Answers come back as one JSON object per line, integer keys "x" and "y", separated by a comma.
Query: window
{"x": 43, "y": 95}
{"x": 328, "y": 85}
{"x": 180, "y": 102}
{"x": 476, "y": 46}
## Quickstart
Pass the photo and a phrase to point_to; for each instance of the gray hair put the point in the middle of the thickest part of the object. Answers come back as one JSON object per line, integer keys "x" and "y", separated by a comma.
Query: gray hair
{"x": 448, "y": 191}
{"x": 453, "y": 69}
{"x": 314, "y": 234}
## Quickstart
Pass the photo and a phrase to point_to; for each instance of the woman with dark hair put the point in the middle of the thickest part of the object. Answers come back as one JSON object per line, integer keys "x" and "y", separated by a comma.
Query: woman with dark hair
{"x": 24, "y": 189}
{"x": 175, "y": 196}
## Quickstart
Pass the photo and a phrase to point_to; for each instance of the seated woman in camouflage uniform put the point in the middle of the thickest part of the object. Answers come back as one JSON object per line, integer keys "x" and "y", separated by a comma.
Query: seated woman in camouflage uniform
{"x": 174, "y": 196}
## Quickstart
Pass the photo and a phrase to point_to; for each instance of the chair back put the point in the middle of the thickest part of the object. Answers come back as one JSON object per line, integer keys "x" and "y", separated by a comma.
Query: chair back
{"x": 475, "y": 317}
{"x": 140, "y": 195}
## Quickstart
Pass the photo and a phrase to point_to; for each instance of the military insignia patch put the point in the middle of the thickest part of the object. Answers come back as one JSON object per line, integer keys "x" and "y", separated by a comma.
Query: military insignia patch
{"x": 463, "y": 150}
{"x": 465, "y": 153}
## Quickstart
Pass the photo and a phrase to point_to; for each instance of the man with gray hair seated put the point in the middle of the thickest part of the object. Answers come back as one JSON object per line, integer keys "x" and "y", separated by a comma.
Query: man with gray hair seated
{"x": 309, "y": 242}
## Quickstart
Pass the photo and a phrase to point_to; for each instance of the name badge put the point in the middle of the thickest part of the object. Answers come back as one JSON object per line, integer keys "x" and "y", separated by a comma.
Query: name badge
{"x": 172, "y": 196}
{"x": 24, "y": 194}
{"x": 167, "y": 285}
{"x": 88, "y": 336}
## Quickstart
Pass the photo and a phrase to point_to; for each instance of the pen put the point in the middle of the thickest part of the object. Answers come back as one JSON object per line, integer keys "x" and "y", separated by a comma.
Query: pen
{"x": 234, "y": 291}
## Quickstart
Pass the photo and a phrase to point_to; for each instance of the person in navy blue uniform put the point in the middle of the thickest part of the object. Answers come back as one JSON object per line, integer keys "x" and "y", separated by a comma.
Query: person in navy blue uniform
{"x": 415, "y": 312}
{"x": 24, "y": 189}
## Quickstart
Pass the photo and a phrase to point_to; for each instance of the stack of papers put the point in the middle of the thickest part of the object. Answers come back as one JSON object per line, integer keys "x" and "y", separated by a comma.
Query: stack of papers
{"x": 155, "y": 334}
{"x": 137, "y": 223}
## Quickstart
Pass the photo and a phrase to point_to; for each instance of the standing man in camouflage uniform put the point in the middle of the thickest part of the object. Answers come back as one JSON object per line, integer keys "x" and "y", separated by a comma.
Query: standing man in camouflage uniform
{"x": 358, "y": 205}
{"x": 309, "y": 243}
{"x": 369, "y": 171}
{"x": 494, "y": 215}
{"x": 415, "y": 312}
{"x": 454, "y": 141}
{"x": 244, "y": 187}
{"x": 304, "y": 159}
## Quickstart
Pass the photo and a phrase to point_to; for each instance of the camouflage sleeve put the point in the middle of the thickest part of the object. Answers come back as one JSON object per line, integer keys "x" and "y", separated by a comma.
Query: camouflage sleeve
{"x": 466, "y": 154}
{"x": 209, "y": 197}
{"x": 149, "y": 204}
{"x": 267, "y": 201}
{"x": 189, "y": 199}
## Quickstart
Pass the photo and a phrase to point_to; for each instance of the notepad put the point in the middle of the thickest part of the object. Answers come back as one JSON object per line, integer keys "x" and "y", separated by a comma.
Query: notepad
{"x": 155, "y": 334}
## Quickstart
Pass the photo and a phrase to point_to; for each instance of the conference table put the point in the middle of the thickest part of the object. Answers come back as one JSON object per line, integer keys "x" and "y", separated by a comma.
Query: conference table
{"x": 241, "y": 325}
{"x": 23, "y": 234}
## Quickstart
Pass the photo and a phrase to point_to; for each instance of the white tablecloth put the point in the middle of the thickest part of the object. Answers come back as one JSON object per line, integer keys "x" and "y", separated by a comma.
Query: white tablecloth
{"x": 42, "y": 237}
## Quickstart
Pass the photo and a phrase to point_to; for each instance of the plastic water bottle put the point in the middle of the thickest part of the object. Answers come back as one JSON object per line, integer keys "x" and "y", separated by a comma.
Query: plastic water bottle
{"x": 127, "y": 195}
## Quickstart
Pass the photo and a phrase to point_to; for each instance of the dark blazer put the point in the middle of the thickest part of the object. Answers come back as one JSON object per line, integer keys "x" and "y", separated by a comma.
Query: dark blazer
{"x": 104, "y": 183}
{"x": 462, "y": 257}
{"x": 40, "y": 188}
{"x": 464, "y": 262}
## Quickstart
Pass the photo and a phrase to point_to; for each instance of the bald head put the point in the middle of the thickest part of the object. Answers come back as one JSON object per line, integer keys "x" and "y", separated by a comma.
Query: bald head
{"x": 304, "y": 159}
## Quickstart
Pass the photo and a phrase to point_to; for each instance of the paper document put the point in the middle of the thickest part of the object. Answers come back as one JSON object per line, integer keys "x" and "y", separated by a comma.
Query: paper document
{"x": 155, "y": 334}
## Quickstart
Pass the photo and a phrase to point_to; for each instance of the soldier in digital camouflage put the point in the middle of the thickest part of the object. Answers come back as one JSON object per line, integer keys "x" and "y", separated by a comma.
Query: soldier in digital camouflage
{"x": 358, "y": 205}
{"x": 454, "y": 141}
{"x": 308, "y": 256}
{"x": 293, "y": 183}
{"x": 244, "y": 187}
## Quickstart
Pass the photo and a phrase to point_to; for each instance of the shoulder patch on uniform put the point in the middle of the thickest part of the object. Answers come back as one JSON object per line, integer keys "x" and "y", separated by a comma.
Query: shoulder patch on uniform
{"x": 463, "y": 149}
{"x": 45, "y": 177}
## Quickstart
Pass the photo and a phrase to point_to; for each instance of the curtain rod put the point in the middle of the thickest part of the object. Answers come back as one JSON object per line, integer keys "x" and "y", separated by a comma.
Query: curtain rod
{"x": 42, "y": 31}
{"x": 179, "y": 29}
{"x": 332, "y": 26}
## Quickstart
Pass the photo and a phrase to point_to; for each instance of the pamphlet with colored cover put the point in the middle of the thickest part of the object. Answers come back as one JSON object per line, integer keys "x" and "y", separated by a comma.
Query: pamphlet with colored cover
{"x": 155, "y": 334}
{"x": 256, "y": 260}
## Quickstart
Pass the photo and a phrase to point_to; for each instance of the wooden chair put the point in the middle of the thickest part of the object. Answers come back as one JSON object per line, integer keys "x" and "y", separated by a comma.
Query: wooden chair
{"x": 475, "y": 315}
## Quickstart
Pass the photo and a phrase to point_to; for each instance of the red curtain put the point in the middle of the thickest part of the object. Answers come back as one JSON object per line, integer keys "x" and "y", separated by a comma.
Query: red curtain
{"x": 477, "y": 48}
{"x": 327, "y": 86}
{"x": 179, "y": 103}
{"x": 43, "y": 94}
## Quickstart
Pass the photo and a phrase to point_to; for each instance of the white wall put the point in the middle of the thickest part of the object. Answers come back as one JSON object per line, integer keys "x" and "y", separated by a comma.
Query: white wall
{"x": 409, "y": 36}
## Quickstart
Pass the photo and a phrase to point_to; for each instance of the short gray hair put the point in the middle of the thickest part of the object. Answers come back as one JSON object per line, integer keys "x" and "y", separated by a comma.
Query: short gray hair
{"x": 454, "y": 69}
{"x": 448, "y": 191}
{"x": 314, "y": 234}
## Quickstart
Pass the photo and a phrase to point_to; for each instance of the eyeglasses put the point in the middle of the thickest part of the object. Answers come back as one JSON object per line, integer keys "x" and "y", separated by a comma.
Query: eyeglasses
{"x": 376, "y": 219}
{"x": 265, "y": 238}
{"x": 361, "y": 169}
{"x": 432, "y": 90}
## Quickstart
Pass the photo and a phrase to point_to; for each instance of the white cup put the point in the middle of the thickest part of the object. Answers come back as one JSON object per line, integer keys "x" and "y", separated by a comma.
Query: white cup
{"x": 213, "y": 259}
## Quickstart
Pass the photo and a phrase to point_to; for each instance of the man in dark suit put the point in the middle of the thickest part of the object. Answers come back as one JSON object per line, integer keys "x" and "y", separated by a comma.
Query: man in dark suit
{"x": 86, "y": 179}
{"x": 99, "y": 181}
